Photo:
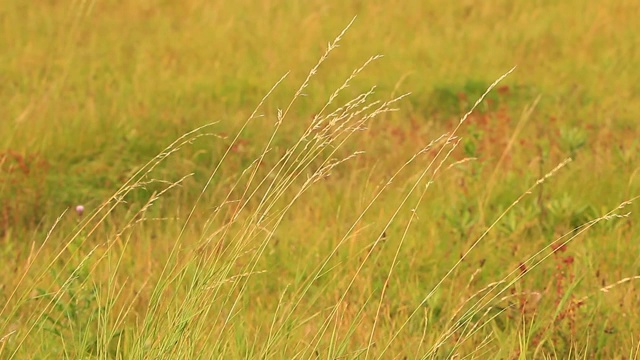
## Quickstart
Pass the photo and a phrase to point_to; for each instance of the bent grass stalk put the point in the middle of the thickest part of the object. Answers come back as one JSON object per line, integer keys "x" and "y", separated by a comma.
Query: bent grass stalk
{"x": 106, "y": 208}
{"x": 422, "y": 175}
{"x": 449, "y": 138}
{"x": 321, "y": 269}
{"x": 166, "y": 272}
{"x": 484, "y": 302}
{"x": 277, "y": 191}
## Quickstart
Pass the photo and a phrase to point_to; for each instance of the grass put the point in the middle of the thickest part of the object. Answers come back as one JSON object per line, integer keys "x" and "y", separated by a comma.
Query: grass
{"x": 239, "y": 205}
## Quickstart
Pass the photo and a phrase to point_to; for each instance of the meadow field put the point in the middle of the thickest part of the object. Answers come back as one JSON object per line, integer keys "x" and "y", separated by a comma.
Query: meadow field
{"x": 319, "y": 179}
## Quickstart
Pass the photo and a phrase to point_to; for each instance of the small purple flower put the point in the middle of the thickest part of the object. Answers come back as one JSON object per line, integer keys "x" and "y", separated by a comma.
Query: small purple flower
{"x": 79, "y": 210}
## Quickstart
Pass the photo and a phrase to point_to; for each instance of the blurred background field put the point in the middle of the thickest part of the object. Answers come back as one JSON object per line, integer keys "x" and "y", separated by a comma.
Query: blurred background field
{"x": 91, "y": 91}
